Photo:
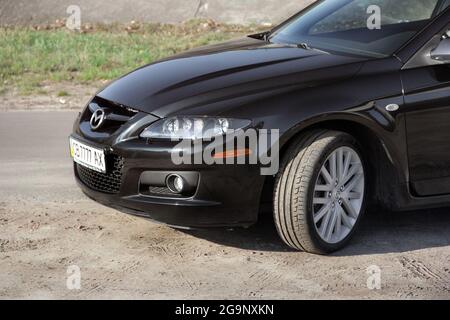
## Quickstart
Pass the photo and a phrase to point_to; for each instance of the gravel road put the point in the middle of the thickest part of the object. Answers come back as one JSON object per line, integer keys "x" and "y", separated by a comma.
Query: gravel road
{"x": 47, "y": 225}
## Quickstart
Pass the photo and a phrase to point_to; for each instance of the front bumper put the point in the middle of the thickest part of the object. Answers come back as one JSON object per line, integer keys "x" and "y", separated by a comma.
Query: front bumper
{"x": 225, "y": 196}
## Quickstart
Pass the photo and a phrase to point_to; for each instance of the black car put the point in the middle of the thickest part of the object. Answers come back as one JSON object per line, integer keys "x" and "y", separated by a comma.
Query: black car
{"x": 356, "y": 93}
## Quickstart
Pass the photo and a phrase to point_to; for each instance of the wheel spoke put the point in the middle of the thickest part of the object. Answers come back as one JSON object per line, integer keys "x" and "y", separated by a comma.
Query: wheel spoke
{"x": 321, "y": 200}
{"x": 322, "y": 212}
{"x": 349, "y": 208}
{"x": 333, "y": 168}
{"x": 327, "y": 187}
{"x": 326, "y": 175}
{"x": 340, "y": 164}
{"x": 324, "y": 226}
{"x": 332, "y": 225}
{"x": 346, "y": 220}
{"x": 355, "y": 180}
{"x": 338, "y": 221}
{"x": 354, "y": 169}
{"x": 354, "y": 195}
{"x": 348, "y": 159}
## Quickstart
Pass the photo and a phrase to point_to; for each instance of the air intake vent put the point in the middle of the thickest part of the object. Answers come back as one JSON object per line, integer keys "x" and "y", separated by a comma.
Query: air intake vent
{"x": 109, "y": 182}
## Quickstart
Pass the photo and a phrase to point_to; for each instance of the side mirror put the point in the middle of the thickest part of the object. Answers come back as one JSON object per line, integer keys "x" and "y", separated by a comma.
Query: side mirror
{"x": 442, "y": 52}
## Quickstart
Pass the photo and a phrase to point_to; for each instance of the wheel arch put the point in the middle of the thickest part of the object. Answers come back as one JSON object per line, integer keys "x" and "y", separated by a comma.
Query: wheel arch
{"x": 381, "y": 168}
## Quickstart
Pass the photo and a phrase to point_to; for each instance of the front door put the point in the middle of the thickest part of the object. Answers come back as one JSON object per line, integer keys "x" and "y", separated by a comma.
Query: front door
{"x": 427, "y": 105}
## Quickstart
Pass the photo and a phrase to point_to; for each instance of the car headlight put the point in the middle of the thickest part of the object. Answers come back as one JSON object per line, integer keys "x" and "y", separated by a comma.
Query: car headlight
{"x": 178, "y": 128}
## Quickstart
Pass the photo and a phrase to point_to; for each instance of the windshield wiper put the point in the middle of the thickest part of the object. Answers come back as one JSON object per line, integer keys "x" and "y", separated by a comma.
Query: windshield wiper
{"x": 266, "y": 36}
{"x": 305, "y": 46}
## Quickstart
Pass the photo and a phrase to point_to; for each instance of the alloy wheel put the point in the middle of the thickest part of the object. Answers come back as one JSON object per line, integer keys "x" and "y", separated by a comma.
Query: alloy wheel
{"x": 338, "y": 195}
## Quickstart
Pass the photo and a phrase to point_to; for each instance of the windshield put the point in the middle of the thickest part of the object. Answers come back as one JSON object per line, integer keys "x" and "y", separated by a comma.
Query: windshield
{"x": 374, "y": 28}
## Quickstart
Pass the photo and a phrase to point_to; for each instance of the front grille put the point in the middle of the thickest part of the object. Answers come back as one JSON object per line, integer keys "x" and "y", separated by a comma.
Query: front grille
{"x": 109, "y": 182}
{"x": 116, "y": 114}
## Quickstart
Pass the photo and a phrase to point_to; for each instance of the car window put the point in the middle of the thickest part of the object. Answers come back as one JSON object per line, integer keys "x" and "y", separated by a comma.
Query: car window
{"x": 354, "y": 14}
{"x": 344, "y": 26}
{"x": 445, "y": 5}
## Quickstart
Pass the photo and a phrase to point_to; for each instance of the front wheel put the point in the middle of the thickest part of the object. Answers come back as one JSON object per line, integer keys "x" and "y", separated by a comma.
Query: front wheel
{"x": 320, "y": 192}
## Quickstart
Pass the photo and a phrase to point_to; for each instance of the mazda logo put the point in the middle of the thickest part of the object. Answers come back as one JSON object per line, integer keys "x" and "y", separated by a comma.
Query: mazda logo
{"x": 97, "y": 119}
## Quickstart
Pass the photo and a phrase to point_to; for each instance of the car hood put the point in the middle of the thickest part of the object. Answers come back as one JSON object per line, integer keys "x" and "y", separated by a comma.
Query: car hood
{"x": 190, "y": 82}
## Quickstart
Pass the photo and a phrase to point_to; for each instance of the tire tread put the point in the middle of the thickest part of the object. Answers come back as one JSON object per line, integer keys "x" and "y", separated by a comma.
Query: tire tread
{"x": 292, "y": 186}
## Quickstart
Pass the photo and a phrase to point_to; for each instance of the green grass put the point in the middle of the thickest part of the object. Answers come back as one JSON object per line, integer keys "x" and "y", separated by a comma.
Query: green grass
{"x": 29, "y": 57}
{"x": 63, "y": 93}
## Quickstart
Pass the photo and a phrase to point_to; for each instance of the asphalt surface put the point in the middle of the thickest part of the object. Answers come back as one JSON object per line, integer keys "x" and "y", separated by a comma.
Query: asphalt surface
{"x": 30, "y": 12}
{"x": 47, "y": 225}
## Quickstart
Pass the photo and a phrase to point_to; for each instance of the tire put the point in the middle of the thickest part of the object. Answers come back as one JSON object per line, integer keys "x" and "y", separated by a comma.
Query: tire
{"x": 311, "y": 214}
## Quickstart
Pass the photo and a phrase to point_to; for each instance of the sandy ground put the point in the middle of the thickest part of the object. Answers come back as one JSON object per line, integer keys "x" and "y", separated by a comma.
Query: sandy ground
{"x": 47, "y": 225}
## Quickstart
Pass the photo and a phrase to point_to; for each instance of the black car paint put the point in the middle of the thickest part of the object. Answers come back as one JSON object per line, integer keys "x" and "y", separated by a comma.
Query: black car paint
{"x": 292, "y": 89}
{"x": 246, "y": 70}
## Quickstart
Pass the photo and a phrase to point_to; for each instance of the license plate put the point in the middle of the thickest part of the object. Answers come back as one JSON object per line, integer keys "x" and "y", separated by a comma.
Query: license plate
{"x": 88, "y": 156}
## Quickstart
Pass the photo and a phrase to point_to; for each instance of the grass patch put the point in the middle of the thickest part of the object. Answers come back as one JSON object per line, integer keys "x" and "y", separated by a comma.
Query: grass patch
{"x": 63, "y": 93}
{"x": 30, "y": 56}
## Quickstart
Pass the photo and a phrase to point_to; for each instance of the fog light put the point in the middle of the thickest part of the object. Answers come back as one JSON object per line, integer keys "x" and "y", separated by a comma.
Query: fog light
{"x": 175, "y": 183}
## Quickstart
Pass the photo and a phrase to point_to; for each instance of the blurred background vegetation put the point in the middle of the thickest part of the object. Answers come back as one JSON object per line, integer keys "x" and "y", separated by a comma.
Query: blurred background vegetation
{"x": 31, "y": 55}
